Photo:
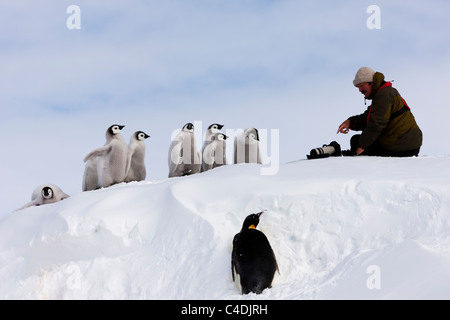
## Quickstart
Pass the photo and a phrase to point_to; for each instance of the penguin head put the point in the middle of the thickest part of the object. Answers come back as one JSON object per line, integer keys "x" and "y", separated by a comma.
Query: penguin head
{"x": 115, "y": 129}
{"x": 215, "y": 127}
{"x": 219, "y": 137}
{"x": 141, "y": 136}
{"x": 251, "y": 222}
{"x": 47, "y": 193}
{"x": 188, "y": 127}
{"x": 252, "y": 134}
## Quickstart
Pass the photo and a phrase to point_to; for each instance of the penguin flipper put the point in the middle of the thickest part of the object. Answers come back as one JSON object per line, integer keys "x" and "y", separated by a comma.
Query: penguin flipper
{"x": 29, "y": 204}
{"x": 175, "y": 157}
{"x": 233, "y": 254}
{"x": 64, "y": 196}
{"x": 97, "y": 152}
{"x": 232, "y": 268}
{"x": 276, "y": 264}
{"x": 129, "y": 156}
{"x": 275, "y": 259}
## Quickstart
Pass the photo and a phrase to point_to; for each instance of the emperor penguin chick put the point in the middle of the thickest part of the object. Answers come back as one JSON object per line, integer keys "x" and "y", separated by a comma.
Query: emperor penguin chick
{"x": 90, "y": 177}
{"x": 184, "y": 159}
{"x": 210, "y": 132}
{"x": 214, "y": 154}
{"x": 44, "y": 194}
{"x": 252, "y": 257}
{"x": 135, "y": 170}
{"x": 111, "y": 158}
{"x": 246, "y": 147}
{"x": 209, "y": 135}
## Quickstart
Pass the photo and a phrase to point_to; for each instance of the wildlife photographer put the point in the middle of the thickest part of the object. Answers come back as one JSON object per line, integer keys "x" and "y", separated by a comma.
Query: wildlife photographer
{"x": 388, "y": 125}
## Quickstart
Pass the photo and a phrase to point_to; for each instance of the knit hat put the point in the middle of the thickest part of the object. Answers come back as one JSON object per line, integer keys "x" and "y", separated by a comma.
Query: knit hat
{"x": 364, "y": 74}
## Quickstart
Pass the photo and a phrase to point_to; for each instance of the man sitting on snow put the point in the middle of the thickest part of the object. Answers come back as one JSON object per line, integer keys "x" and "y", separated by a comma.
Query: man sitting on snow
{"x": 388, "y": 126}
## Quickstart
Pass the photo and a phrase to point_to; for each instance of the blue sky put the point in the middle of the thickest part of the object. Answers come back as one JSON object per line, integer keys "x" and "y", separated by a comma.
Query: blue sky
{"x": 156, "y": 65}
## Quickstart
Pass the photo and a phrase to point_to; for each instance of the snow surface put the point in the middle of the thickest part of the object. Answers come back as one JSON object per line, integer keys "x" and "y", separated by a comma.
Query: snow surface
{"x": 337, "y": 226}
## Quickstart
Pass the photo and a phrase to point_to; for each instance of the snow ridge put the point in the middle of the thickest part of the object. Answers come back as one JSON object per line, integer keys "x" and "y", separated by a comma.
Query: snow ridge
{"x": 331, "y": 223}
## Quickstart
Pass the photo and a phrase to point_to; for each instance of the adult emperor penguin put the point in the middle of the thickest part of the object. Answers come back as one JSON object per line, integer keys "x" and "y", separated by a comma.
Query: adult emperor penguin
{"x": 252, "y": 257}
{"x": 214, "y": 154}
{"x": 246, "y": 147}
{"x": 111, "y": 159}
{"x": 184, "y": 159}
{"x": 44, "y": 194}
{"x": 135, "y": 170}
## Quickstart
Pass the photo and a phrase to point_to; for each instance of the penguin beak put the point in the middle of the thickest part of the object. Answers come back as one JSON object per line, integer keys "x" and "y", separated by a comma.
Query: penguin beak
{"x": 121, "y": 127}
{"x": 220, "y": 126}
{"x": 260, "y": 213}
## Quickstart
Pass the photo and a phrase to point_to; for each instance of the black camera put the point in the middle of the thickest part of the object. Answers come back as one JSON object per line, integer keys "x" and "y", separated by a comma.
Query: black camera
{"x": 333, "y": 149}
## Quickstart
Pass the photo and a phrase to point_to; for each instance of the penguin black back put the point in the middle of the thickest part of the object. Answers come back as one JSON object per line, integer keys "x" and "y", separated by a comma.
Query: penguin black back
{"x": 253, "y": 257}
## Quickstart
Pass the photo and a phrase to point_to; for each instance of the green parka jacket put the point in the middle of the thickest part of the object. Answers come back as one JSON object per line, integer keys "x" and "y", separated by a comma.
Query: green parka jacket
{"x": 387, "y": 120}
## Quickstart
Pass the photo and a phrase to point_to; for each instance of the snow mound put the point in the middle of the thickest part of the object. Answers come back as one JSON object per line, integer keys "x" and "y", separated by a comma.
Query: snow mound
{"x": 364, "y": 228}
